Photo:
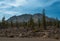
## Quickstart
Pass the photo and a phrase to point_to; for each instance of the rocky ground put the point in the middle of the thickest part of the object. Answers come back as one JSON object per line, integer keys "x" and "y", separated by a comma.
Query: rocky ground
{"x": 23, "y": 33}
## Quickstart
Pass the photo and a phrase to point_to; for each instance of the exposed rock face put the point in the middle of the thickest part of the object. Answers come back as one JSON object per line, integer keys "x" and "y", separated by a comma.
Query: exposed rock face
{"x": 26, "y": 18}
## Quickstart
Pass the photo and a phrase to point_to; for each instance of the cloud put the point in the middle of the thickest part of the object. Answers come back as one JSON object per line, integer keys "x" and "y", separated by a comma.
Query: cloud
{"x": 21, "y": 5}
{"x": 16, "y": 7}
{"x": 40, "y": 3}
{"x": 9, "y": 12}
{"x": 14, "y": 2}
{"x": 28, "y": 3}
{"x": 24, "y": 5}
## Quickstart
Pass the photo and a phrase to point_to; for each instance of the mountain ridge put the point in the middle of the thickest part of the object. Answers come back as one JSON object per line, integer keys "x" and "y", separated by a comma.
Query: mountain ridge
{"x": 26, "y": 18}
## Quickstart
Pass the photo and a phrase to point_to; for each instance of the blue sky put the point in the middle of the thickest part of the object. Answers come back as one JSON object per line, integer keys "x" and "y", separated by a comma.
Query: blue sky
{"x": 10, "y": 8}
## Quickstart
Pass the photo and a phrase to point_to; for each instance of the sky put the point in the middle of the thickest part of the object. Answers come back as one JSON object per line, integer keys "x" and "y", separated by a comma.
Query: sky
{"x": 9, "y": 8}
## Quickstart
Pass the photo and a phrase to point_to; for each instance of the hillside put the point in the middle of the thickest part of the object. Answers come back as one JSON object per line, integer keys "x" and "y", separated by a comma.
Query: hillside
{"x": 26, "y": 18}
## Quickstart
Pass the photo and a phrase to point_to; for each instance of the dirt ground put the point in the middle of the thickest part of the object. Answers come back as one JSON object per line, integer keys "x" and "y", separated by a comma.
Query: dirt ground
{"x": 26, "y": 39}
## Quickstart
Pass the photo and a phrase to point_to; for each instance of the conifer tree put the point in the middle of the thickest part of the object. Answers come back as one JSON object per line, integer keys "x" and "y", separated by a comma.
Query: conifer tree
{"x": 24, "y": 24}
{"x": 44, "y": 20}
{"x": 57, "y": 23}
{"x": 11, "y": 23}
{"x": 17, "y": 25}
{"x": 31, "y": 22}
{"x": 3, "y": 22}
{"x": 0, "y": 24}
{"x": 39, "y": 23}
{"x": 7, "y": 24}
